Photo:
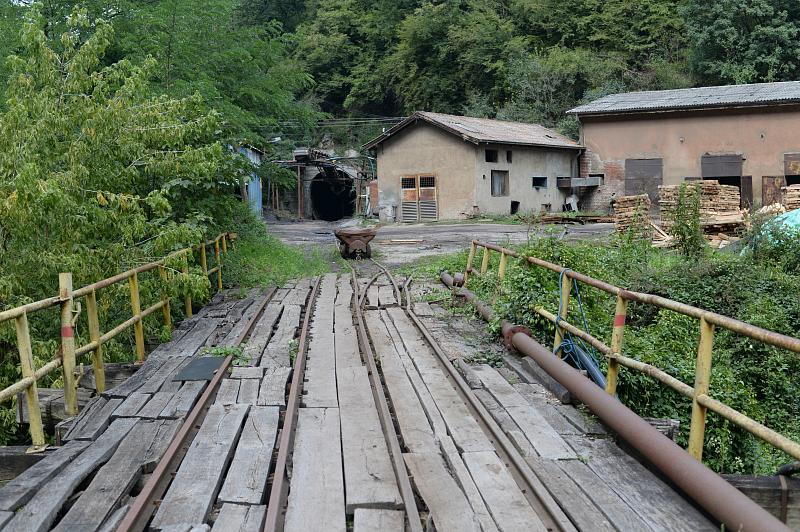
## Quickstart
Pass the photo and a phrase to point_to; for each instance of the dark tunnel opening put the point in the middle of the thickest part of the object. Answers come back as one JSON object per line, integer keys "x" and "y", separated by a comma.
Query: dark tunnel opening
{"x": 333, "y": 196}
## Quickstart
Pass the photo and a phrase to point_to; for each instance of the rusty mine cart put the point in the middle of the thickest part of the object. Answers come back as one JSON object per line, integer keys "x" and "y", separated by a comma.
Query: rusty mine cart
{"x": 354, "y": 242}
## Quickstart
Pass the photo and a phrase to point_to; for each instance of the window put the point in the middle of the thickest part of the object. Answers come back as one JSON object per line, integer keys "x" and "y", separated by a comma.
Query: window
{"x": 427, "y": 181}
{"x": 539, "y": 182}
{"x": 491, "y": 156}
{"x": 409, "y": 182}
{"x": 499, "y": 183}
{"x": 508, "y": 156}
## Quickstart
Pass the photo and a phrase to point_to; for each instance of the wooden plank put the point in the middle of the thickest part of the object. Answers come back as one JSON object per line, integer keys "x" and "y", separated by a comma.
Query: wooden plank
{"x": 131, "y": 406}
{"x": 462, "y": 476}
{"x": 615, "y": 510}
{"x": 5, "y": 517}
{"x": 415, "y": 430}
{"x": 242, "y": 322}
{"x": 261, "y": 334}
{"x": 228, "y": 392}
{"x": 426, "y": 400}
{"x": 15, "y": 460}
{"x": 505, "y": 501}
{"x": 299, "y": 294}
{"x": 51, "y": 405}
{"x": 83, "y": 418}
{"x": 147, "y": 369}
{"x": 368, "y": 473}
{"x": 246, "y": 480}
{"x": 320, "y": 374}
{"x": 166, "y": 431}
{"x": 247, "y": 373}
{"x": 445, "y": 500}
{"x": 372, "y": 297}
{"x": 768, "y": 493}
{"x": 547, "y": 442}
{"x": 461, "y": 425}
{"x": 248, "y": 392}
{"x": 171, "y": 385}
{"x": 317, "y": 474}
{"x": 115, "y": 519}
{"x": 38, "y": 514}
{"x": 509, "y": 427}
{"x": 537, "y": 397}
{"x": 183, "y": 400}
{"x": 155, "y": 405}
{"x": 273, "y": 387}
{"x": 386, "y": 296}
{"x": 368, "y": 520}
{"x": 191, "y": 342}
{"x": 277, "y": 351}
{"x": 239, "y": 518}
{"x": 155, "y": 382}
{"x": 199, "y": 477}
{"x": 20, "y": 490}
{"x": 112, "y": 482}
{"x": 656, "y": 503}
{"x": 93, "y": 424}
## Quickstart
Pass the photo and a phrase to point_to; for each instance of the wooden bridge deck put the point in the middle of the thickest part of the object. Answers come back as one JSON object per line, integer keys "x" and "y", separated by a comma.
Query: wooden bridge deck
{"x": 342, "y": 476}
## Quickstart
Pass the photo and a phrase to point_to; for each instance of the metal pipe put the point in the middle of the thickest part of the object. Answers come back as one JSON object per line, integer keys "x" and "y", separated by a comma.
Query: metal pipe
{"x": 709, "y": 490}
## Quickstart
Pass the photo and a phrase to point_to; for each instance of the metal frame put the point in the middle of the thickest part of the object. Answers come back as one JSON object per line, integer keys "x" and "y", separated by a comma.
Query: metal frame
{"x": 701, "y": 401}
{"x": 70, "y": 309}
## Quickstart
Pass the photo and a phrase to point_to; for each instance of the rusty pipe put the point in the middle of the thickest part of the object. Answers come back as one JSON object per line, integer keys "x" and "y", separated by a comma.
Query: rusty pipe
{"x": 709, "y": 490}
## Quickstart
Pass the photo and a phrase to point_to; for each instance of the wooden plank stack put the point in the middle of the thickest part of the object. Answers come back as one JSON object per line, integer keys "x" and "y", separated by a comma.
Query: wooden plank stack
{"x": 719, "y": 204}
{"x": 632, "y": 212}
{"x": 791, "y": 197}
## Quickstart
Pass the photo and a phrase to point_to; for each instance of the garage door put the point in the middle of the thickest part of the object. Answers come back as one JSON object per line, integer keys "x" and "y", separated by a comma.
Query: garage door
{"x": 642, "y": 176}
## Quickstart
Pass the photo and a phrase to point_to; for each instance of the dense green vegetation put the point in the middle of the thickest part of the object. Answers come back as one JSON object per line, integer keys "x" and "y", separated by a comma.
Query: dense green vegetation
{"x": 101, "y": 172}
{"x": 749, "y": 376}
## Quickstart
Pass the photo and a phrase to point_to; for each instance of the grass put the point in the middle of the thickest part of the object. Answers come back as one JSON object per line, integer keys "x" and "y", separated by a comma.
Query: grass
{"x": 263, "y": 260}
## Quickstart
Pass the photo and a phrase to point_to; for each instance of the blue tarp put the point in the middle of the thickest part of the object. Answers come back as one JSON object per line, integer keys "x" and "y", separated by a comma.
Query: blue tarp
{"x": 788, "y": 220}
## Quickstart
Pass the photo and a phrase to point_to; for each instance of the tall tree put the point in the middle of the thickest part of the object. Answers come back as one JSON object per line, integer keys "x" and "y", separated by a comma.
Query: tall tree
{"x": 745, "y": 41}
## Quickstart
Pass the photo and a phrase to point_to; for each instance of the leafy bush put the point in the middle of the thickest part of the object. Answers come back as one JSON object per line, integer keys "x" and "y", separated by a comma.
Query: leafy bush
{"x": 758, "y": 380}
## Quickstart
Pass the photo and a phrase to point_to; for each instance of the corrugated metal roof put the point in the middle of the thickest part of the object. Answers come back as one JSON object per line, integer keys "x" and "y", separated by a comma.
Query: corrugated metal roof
{"x": 485, "y": 131}
{"x": 755, "y": 94}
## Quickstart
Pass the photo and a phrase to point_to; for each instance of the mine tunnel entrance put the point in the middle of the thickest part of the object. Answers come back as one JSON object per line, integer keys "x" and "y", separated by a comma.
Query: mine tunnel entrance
{"x": 333, "y": 195}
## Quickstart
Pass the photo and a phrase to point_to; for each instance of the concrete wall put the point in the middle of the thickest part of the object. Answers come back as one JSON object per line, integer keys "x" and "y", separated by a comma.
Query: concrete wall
{"x": 681, "y": 139}
{"x": 419, "y": 149}
{"x": 526, "y": 162}
{"x": 460, "y": 168}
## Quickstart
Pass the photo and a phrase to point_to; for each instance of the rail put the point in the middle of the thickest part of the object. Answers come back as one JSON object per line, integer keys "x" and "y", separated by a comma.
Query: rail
{"x": 702, "y": 402}
{"x": 69, "y": 353}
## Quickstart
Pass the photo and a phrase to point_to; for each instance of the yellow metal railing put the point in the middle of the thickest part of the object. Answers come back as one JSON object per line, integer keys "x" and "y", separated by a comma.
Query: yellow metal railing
{"x": 701, "y": 401}
{"x": 69, "y": 353}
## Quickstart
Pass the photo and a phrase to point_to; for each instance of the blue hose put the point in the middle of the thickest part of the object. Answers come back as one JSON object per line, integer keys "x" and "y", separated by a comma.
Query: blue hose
{"x": 573, "y": 349}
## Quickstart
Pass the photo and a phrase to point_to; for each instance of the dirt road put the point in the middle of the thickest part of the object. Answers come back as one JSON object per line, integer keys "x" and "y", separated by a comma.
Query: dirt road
{"x": 427, "y": 239}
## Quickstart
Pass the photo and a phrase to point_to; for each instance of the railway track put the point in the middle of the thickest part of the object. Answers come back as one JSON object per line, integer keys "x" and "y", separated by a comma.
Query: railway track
{"x": 437, "y": 454}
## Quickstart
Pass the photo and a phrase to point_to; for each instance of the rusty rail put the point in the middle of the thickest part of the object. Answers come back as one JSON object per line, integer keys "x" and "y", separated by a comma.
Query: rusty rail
{"x": 709, "y": 490}
{"x": 701, "y": 401}
{"x": 68, "y": 354}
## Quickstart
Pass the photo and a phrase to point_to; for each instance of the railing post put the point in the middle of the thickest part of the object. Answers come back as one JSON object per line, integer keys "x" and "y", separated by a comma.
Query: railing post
{"x": 224, "y": 242}
{"x": 187, "y": 299}
{"x": 218, "y": 260}
{"x": 68, "y": 344}
{"x": 165, "y": 310}
{"x": 563, "y": 310}
{"x": 485, "y": 262}
{"x": 501, "y": 272}
{"x": 702, "y": 377}
{"x": 136, "y": 307}
{"x": 203, "y": 260}
{"x": 617, "y": 334}
{"x": 470, "y": 258}
{"x": 31, "y": 393}
{"x": 94, "y": 336}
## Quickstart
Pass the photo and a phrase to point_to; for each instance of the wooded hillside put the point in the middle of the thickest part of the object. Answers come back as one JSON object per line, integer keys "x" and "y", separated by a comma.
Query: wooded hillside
{"x": 270, "y": 67}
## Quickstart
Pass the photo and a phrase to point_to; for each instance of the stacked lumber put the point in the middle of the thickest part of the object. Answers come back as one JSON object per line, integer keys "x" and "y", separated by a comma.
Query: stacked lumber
{"x": 719, "y": 204}
{"x": 791, "y": 197}
{"x": 632, "y": 212}
{"x": 772, "y": 210}
{"x": 720, "y": 240}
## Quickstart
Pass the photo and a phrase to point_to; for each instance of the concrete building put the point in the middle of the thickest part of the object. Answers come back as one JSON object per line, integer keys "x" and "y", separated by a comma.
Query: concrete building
{"x": 435, "y": 166}
{"x": 743, "y": 135}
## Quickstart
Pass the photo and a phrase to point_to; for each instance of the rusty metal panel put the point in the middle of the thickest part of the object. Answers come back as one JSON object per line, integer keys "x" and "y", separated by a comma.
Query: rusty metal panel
{"x": 746, "y": 192}
{"x": 791, "y": 163}
{"x": 642, "y": 176}
{"x": 721, "y": 165}
{"x": 771, "y": 189}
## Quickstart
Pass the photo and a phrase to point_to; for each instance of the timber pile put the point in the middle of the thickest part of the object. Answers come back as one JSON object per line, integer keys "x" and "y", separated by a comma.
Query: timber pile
{"x": 632, "y": 212}
{"x": 719, "y": 205}
{"x": 721, "y": 240}
{"x": 791, "y": 197}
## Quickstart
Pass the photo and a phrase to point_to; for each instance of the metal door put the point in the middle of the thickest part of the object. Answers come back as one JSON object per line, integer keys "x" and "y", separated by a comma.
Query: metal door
{"x": 771, "y": 189}
{"x": 419, "y": 199}
{"x": 642, "y": 176}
